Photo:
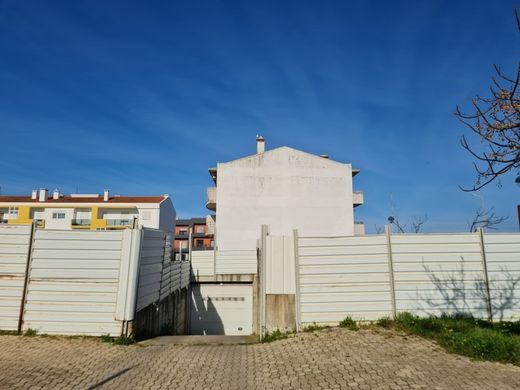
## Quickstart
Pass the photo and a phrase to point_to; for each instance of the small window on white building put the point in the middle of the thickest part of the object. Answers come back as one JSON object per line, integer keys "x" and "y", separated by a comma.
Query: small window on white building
{"x": 58, "y": 215}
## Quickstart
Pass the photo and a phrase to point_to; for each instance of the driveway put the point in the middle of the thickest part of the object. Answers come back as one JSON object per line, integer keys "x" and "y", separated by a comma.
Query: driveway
{"x": 330, "y": 359}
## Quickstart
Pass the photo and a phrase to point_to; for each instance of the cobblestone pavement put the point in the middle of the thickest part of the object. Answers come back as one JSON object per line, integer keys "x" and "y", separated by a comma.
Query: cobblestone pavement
{"x": 329, "y": 359}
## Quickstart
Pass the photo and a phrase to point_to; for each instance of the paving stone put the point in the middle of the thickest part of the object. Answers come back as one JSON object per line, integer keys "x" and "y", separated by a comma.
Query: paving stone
{"x": 335, "y": 359}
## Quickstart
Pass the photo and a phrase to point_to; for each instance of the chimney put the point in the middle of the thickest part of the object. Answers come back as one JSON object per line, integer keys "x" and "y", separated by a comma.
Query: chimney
{"x": 34, "y": 194}
{"x": 260, "y": 144}
{"x": 42, "y": 195}
{"x": 106, "y": 195}
{"x": 56, "y": 194}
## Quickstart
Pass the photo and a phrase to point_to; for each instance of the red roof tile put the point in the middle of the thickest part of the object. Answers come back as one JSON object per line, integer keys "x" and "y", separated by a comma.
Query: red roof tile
{"x": 73, "y": 199}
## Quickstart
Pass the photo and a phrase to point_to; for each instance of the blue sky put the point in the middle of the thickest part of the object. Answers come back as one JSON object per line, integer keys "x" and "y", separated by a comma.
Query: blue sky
{"x": 143, "y": 97}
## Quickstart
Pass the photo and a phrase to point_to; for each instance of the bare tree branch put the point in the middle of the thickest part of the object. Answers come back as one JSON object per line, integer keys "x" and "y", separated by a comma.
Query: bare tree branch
{"x": 485, "y": 219}
{"x": 496, "y": 122}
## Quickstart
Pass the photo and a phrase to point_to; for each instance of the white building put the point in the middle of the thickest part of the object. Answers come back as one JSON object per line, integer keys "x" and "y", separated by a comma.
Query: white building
{"x": 88, "y": 211}
{"x": 286, "y": 189}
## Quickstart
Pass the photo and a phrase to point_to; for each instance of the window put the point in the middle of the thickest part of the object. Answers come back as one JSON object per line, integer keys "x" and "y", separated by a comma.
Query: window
{"x": 13, "y": 212}
{"x": 183, "y": 232}
{"x": 199, "y": 243}
{"x": 199, "y": 229}
{"x": 184, "y": 244}
{"x": 58, "y": 215}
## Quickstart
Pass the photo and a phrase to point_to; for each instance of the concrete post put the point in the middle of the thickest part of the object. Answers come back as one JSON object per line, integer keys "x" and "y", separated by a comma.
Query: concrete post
{"x": 485, "y": 272}
{"x": 388, "y": 234}
{"x": 297, "y": 281}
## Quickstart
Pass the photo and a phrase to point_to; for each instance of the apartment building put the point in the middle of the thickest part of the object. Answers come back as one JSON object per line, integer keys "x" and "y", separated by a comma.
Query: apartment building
{"x": 285, "y": 188}
{"x": 88, "y": 211}
{"x": 202, "y": 234}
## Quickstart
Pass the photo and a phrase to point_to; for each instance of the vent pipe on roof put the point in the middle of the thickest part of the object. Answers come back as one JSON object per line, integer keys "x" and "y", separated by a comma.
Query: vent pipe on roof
{"x": 56, "y": 194}
{"x": 42, "y": 195}
{"x": 34, "y": 194}
{"x": 324, "y": 156}
{"x": 106, "y": 195}
{"x": 260, "y": 144}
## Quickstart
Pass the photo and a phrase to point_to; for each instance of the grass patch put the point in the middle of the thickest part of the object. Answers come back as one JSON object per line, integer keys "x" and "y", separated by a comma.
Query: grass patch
{"x": 349, "y": 323}
{"x": 314, "y": 327}
{"x": 273, "y": 336}
{"x": 121, "y": 340}
{"x": 465, "y": 335}
{"x": 30, "y": 332}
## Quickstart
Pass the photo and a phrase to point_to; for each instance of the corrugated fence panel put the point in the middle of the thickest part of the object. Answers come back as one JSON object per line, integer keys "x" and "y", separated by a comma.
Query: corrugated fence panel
{"x": 236, "y": 262}
{"x": 73, "y": 283}
{"x": 438, "y": 273}
{"x": 503, "y": 264}
{"x": 151, "y": 267}
{"x": 342, "y": 276}
{"x": 185, "y": 274}
{"x": 202, "y": 263}
{"x": 280, "y": 265}
{"x": 14, "y": 249}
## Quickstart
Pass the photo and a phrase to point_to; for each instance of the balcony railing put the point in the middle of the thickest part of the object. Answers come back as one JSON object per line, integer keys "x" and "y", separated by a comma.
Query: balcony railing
{"x": 40, "y": 223}
{"x": 358, "y": 198}
{"x": 211, "y": 198}
{"x": 119, "y": 223}
{"x": 81, "y": 223}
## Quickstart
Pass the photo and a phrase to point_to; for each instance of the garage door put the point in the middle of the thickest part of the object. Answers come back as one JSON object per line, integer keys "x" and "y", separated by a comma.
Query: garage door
{"x": 221, "y": 309}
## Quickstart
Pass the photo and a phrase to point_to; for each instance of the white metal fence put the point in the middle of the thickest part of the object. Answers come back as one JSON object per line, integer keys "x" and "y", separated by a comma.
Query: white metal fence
{"x": 427, "y": 274}
{"x": 369, "y": 277}
{"x": 211, "y": 263}
{"x": 73, "y": 282}
{"x": 14, "y": 248}
{"x": 83, "y": 282}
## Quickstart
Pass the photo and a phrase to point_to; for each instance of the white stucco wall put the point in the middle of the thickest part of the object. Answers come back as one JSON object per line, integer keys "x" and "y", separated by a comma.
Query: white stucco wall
{"x": 286, "y": 189}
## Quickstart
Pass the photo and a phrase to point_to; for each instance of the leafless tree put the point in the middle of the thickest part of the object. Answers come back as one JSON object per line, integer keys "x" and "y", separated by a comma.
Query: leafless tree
{"x": 415, "y": 226}
{"x": 418, "y": 222}
{"x": 496, "y": 121}
{"x": 485, "y": 219}
{"x": 378, "y": 229}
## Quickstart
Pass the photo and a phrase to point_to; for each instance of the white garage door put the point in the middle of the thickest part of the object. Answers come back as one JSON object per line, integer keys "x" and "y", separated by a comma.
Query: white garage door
{"x": 222, "y": 309}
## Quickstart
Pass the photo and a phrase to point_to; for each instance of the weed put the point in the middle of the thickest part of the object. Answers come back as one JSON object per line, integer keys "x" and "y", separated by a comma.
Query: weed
{"x": 349, "y": 323}
{"x": 384, "y": 322}
{"x": 106, "y": 338}
{"x": 273, "y": 336}
{"x": 30, "y": 332}
{"x": 314, "y": 327}
{"x": 121, "y": 340}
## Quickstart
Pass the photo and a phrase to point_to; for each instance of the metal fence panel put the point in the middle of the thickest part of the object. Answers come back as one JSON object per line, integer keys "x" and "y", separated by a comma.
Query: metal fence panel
{"x": 236, "y": 262}
{"x": 75, "y": 292}
{"x": 14, "y": 249}
{"x": 342, "y": 276}
{"x": 203, "y": 263}
{"x": 438, "y": 273}
{"x": 503, "y": 265}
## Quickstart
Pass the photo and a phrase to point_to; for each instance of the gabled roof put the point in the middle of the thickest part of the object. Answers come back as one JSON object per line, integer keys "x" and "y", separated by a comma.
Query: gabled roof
{"x": 74, "y": 199}
{"x": 284, "y": 148}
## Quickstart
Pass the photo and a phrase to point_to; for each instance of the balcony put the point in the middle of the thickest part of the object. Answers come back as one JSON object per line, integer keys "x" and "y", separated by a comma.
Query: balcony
{"x": 119, "y": 223}
{"x": 211, "y": 198}
{"x": 80, "y": 223}
{"x": 359, "y": 228}
{"x": 39, "y": 223}
{"x": 358, "y": 198}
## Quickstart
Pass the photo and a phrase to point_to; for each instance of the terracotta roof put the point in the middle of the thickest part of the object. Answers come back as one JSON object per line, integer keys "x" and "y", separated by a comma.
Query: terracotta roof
{"x": 73, "y": 199}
